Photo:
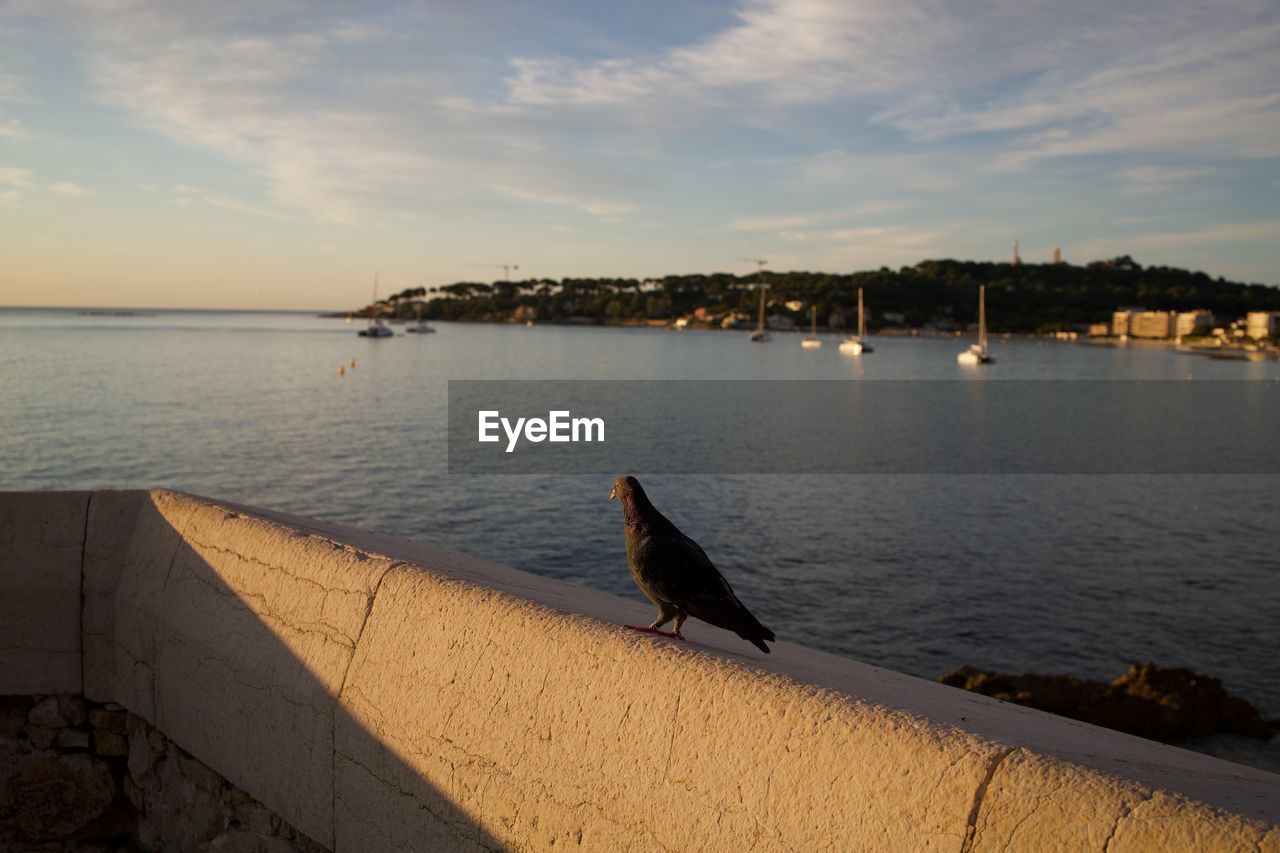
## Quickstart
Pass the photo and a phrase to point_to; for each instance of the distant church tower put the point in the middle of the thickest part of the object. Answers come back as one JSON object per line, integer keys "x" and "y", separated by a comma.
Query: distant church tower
{"x": 1057, "y": 254}
{"x": 1017, "y": 259}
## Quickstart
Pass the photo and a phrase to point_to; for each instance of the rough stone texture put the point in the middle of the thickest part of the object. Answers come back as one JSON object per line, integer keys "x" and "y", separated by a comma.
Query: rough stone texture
{"x": 1031, "y": 798}
{"x": 251, "y": 635}
{"x": 519, "y": 737}
{"x": 1166, "y": 822}
{"x": 41, "y": 542}
{"x": 159, "y": 799}
{"x": 46, "y": 795}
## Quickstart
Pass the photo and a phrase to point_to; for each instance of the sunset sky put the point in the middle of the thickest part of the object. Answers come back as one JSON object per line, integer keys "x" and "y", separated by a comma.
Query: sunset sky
{"x": 275, "y": 154}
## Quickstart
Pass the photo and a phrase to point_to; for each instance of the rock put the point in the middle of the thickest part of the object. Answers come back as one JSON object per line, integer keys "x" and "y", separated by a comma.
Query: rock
{"x": 41, "y": 737}
{"x": 50, "y": 796}
{"x": 13, "y": 715}
{"x": 112, "y": 721}
{"x": 257, "y": 818}
{"x": 135, "y": 794}
{"x": 70, "y": 738}
{"x": 109, "y": 744}
{"x": 45, "y": 714}
{"x": 1149, "y": 701}
{"x": 73, "y": 709}
{"x": 146, "y": 746}
{"x": 203, "y": 778}
{"x": 1198, "y": 703}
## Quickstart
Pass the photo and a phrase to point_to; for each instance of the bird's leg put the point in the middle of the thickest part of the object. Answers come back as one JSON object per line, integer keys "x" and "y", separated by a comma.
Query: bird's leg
{"x": 675, "y": 629}
{"x": 664, "y": 616}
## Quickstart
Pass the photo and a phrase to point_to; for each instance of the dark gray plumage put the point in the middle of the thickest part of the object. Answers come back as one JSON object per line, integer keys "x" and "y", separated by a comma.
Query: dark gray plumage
{"x": 676, "y": 574}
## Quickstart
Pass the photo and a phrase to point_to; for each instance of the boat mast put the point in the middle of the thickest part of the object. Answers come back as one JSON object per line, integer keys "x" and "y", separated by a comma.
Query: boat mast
{"x": 982, "y": 316}
{"x": 760, "y": 325}
{"x": 813, "y": 318}
{"x": 862, "y": 327}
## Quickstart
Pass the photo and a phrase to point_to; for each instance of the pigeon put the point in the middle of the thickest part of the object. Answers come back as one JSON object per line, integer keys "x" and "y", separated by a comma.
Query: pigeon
{"x": 676, "y": 574}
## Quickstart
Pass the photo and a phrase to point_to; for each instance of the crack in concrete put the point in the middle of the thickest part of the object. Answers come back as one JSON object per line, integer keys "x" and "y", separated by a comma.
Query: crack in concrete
{"x": 342, "y": 686}
{"x": 971, "y": 823}
{"x": 330, "y": 632}
{"x": 1125, "y": 811}
{"x": 84, "y": 549}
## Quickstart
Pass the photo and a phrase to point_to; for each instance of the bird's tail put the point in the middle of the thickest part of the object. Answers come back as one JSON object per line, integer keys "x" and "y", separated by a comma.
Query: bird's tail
{"x": 758, "y": 633}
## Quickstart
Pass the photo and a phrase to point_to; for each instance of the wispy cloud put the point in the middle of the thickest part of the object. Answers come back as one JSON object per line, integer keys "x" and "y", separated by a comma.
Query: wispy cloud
{"x": 1233, "y": 232}
{"x": 70, "y": 188}
{"x": 337, "y": 135}
{"x": 15, "y": 177}
{"x": 13, "y": 182}
{"x": 1154, "y": 179}
{"x": 187, "y": 195}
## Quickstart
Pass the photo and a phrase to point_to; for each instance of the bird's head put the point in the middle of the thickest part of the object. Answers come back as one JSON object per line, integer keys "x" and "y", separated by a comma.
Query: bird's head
{"x": 624, "y": 487}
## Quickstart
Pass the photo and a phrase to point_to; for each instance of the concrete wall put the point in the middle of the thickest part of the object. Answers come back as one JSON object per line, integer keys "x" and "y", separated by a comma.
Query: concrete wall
{"x": 386, "y": 695}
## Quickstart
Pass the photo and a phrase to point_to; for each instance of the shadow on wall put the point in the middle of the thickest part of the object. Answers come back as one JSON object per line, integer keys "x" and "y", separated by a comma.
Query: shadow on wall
{"x": 244, "y": 662}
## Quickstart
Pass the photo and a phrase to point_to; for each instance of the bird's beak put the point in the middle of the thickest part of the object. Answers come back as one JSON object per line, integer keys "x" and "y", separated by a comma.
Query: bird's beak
{"x": 613, "y": 493}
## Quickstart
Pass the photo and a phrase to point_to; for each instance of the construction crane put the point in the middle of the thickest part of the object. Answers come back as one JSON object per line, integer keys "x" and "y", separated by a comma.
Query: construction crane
{"x": 506, "y": 269}
{"x": 759, "y": 262}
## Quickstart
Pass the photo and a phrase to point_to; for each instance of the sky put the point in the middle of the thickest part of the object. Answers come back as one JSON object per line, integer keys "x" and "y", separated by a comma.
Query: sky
{"x": 281, "y": 153}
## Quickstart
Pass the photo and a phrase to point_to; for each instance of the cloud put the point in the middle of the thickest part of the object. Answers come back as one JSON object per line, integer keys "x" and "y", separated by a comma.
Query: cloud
{"x": 1046, "y": 80}
{"x": 187, "y": 195}
{"x": 70, "y": 188}
{"x": 335, "y": 129}
{"x": 1153, "y": 179}
{"x": 804, "y": 104}
{"x": 16, "y": 178}
{"x": 12, "y": 183}
{"x": 1267, "y": 230}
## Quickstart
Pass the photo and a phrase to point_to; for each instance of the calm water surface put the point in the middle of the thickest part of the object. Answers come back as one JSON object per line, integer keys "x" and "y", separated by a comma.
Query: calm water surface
{"x": 1073, "y": 574}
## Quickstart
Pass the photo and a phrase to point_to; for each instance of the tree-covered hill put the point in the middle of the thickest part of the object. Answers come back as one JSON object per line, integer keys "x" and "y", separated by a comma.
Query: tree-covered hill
{"x": 1024, "y": 298}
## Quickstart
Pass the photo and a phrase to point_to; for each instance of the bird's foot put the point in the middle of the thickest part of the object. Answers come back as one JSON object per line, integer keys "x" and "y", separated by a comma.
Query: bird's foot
{"x": 649, "y": 629}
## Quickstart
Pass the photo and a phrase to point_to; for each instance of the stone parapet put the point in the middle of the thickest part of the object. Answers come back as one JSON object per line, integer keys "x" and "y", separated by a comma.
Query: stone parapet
{"x": 384, "y": 694}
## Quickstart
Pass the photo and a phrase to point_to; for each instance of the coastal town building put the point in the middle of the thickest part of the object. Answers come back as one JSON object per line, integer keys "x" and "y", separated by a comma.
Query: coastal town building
{"x": 1189, "y": 321}
{"x": 1152, "y": 324}
{"x": 1262, "y": 324}
{"x": 1120, "y": 321}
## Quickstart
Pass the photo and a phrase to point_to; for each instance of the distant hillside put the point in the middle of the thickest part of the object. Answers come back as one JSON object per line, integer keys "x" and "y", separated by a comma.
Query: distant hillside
{"x": 1024, "y": 298}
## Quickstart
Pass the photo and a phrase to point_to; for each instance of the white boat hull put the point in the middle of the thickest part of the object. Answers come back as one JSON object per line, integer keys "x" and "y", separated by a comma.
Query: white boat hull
{"x": 855, "y": 347}
{"x": 975, "y": 356}
{"x": 811, "y": 343}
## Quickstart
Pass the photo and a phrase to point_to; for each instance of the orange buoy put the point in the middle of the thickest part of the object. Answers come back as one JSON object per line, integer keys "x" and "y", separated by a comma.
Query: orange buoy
{"x": 342, "y": 371}
{"x": 353, "y": 361}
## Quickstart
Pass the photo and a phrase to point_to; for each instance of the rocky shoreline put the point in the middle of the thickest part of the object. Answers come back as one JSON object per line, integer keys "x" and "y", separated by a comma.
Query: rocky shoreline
{"x": 1150, "y": 701}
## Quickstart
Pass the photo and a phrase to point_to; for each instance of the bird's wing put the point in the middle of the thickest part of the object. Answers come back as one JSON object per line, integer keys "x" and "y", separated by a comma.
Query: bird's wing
{"x": 686, "y": 577}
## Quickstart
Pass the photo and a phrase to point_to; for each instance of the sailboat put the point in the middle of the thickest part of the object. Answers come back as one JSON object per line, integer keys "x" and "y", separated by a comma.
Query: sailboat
{"x": 857, "y": 345}
{"x": 761, "y": 335}
{"x": 422, "y": 328}
{"x": 812, "y": 341}
{"x": 977, "y": 353}
{"x": 377, "y": 327}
